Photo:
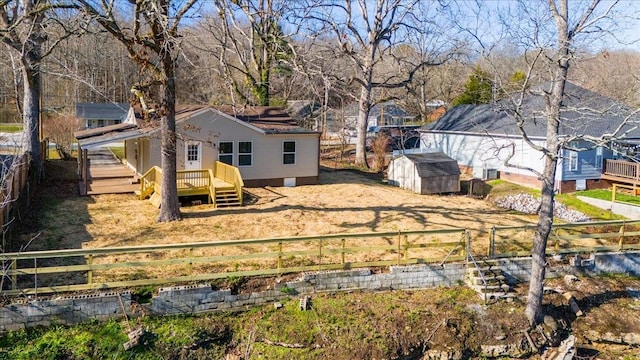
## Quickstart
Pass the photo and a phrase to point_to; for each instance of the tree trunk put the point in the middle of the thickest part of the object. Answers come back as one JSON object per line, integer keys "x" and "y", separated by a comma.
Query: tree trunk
{"x": 533, "y": 309}
{"x": 169, "y": 204}
{"x": 361, "y": 126}
{"x": 31, "y": 108}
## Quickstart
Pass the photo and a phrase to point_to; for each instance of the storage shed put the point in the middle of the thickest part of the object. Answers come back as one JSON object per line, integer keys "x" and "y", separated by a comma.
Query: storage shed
{"x": 425, "y": 173}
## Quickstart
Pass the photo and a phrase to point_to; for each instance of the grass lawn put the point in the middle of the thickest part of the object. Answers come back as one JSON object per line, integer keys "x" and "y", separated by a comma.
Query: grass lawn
{"x": 10, "y": 127}
{"x": 606, "y": 195}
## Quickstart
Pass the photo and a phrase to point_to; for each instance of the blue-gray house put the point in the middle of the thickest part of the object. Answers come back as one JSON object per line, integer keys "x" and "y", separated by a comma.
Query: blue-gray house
{"x": 486, "y": 142}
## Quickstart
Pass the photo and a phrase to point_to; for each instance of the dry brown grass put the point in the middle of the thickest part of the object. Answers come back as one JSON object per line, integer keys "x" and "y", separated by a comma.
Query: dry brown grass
{"x": 346, "y": 201}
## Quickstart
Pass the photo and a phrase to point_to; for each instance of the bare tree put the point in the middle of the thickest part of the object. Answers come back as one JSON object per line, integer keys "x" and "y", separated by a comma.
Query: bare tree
{"x": 152, "y": 41}
{"x": 60, "y": 129}
{"x": 24, "y": 28}
{"x": 367, "y": 36}
{"x": 251, "y": 46}
{"x": 549, "y": 36}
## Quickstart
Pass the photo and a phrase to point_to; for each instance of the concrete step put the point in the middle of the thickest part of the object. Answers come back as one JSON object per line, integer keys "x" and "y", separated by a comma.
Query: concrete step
{"x": 490, "y": 279}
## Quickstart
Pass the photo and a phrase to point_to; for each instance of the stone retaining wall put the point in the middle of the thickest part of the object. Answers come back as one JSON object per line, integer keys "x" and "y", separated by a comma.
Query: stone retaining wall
{"x": 203, "y": 298}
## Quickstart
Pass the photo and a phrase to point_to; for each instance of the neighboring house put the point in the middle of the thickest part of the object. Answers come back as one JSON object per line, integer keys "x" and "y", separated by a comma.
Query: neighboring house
{"x": 382, "y": 114}
{"x": 96, "y": 115}
{"x": 264, "y": 143}
{"x": 425, "y": 173}
{"x": 482, "y": 137}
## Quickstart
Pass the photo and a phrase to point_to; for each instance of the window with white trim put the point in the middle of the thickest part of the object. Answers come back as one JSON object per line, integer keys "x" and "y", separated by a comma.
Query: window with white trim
{"x": 288, "y": 152}
{"x": 245, "y": 153}
{"x": 193, "y": 150}
{"x": 225, "y": 152}
{"x": 573, "y": 160}
{"x": 599, "y": 158}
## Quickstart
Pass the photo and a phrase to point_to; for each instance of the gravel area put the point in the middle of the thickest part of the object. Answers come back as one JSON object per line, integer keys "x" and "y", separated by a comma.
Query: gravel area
{"x": 528, "y": 204}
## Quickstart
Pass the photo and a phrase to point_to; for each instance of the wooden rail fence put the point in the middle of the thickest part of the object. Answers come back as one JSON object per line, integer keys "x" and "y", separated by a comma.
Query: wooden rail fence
{"x": 617, "y": 235}
{"x": 36, "y": 272}
{"x": 259, "y": 257}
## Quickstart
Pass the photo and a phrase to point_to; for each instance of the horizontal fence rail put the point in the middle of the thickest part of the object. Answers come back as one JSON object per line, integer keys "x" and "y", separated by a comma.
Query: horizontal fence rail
{"x": 117, "y": 267}
{"x": 41, "y": 272}
{"x": 509, "y": 241}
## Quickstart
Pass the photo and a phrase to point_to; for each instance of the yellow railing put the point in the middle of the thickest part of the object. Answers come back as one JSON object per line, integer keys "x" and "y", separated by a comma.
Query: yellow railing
{"x": 193, "y": 182}
{"x": 230, "y": 174}
{"x": 150, "y": 182}
{"x": 623, "y": 169}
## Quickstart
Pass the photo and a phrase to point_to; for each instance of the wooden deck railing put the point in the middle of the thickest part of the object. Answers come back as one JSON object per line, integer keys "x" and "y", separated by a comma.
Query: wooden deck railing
{"x": 150, "y": 182}
{"x": 622, "y": 169}
{"x": 193, "y": 182}
{"x": 229, "y": 174}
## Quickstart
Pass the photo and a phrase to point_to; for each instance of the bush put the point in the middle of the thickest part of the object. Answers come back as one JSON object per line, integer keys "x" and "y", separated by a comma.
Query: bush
{"x": 59, "y": 129}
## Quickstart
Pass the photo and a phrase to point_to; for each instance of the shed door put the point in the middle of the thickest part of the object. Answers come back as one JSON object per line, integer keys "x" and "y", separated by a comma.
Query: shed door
{"x": 193, "y": 155}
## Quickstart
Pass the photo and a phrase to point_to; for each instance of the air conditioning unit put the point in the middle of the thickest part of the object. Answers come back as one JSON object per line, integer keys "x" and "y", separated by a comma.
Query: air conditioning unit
{"x": 489, "y": 174}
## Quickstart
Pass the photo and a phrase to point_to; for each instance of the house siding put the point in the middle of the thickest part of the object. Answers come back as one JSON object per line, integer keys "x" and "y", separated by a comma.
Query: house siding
{"x": 478, "y": 152}
{"x": 587, "y": 167}
{"x": 211, "y": 128}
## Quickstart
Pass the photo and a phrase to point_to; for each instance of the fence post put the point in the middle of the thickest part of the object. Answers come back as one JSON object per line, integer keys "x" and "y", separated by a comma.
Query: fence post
{"x": 621, "y": 239}
{"x": 399, "y": 248}
{"x": 191, "y": 261}
{"x": 467, "y": 247}
{"x": 320, "y": 253}
{"x": 14, "y": 276}
{"x": 280, "y": 258}
{"x": 342, "y": 252}
{"x": 492, "y": 242}
{"x": 406, "y": 249}
{"x": 90, "y": 272}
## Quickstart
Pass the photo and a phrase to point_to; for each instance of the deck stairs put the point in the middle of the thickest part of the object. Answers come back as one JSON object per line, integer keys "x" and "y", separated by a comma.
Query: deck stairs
{"x": 489, "y": 281}
{"x": 227, "y": 197}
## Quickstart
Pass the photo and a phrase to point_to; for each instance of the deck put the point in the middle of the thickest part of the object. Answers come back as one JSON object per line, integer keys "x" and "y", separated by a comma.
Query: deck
{"x": 620, "y": 171}
{"x": 107, "y": 175}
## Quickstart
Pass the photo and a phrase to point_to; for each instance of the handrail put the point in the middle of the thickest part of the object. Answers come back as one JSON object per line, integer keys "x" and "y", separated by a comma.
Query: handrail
{"x": 621, "y": 168}
{"x": 150, "y": 182}
{"x": 230, "y": 174}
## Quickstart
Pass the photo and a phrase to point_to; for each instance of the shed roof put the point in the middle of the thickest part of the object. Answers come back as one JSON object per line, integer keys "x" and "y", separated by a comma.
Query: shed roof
{"x": 102, "y": 111}
{"x": 583, "y": 112}
{"x": 434, "y": 164}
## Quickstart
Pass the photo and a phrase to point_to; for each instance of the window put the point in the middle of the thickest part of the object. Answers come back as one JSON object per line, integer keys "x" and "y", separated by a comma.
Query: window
{"x": 599, "y": 158}
{"x": 573, "y": 160}
{"x": 225, "y": 152}
{"x": 245, "y": 153}
{"x": 193, "y": 150}
{"x": 289, "y": 153}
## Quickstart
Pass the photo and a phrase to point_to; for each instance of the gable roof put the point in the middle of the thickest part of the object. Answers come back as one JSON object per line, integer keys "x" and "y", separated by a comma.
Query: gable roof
{"x": 388, "y": 108}
{"x": 102, "y": 111}
{"x": 583, "y": 113}
{"x": 433, "y": 164}
{"x": 267, "y": 120}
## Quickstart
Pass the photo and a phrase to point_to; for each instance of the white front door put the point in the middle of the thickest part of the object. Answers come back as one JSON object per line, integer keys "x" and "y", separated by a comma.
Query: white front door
{"x": 193, "y": 155}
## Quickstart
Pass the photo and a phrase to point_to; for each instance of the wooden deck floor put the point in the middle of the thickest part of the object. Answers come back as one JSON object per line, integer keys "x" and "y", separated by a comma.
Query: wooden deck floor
{"x": 107, "y": 175}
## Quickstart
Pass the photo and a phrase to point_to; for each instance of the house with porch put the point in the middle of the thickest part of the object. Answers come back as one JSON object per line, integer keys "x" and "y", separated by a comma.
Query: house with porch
{"x": 223, "y": 148}
{"x": 486, "y": 143}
